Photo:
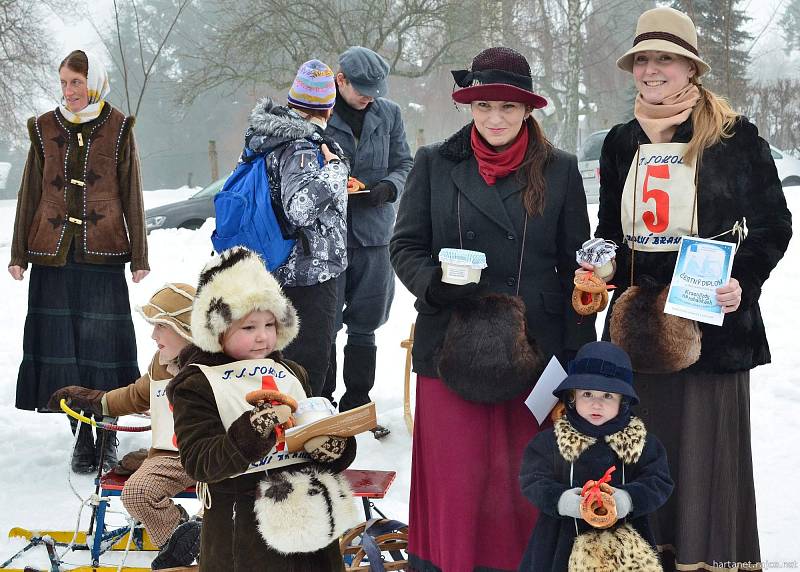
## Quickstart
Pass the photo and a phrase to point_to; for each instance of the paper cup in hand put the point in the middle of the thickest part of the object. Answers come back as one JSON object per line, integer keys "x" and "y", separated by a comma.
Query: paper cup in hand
{"x": 461, "y": 266}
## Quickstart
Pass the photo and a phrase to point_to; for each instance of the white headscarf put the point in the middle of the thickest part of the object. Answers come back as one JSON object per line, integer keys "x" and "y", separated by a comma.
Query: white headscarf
{"x": 98, "y": 88}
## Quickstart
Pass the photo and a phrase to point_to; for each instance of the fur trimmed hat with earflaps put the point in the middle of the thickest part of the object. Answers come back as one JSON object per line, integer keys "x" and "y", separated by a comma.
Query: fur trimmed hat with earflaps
{"x": 231, "y": 285}
{"x": 488, "y": 355}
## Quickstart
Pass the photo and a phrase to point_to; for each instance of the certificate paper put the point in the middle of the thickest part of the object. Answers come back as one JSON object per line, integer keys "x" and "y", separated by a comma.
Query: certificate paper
{"x": 541, "y": 400}
{"x": 703, "y": 266}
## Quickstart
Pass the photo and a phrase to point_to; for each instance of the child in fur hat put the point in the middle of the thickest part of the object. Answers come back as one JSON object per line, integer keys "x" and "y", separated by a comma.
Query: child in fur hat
{"x": 267, "y": 509}
{"x": 596, "y": 432}
{"x": 147, "y": 494}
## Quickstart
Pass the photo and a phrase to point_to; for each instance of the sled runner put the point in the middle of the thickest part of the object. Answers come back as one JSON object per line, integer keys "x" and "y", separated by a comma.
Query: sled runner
{"x": 99, "y": 538}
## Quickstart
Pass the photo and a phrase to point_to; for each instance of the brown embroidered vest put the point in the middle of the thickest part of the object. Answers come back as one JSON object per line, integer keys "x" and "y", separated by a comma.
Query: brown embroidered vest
{"x": 80, "y": 198}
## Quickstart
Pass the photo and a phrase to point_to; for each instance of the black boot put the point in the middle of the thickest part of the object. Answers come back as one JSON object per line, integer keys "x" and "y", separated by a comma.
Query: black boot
{"x": 182, "y": 548}
{"x": 107, "y": 444}
{"x": 83, "y": 461}
{"x": 358, "y": 372}
{"x": 330, "y": 377}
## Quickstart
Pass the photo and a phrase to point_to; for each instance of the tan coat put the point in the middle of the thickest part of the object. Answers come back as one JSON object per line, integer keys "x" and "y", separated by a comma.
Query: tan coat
{"x": 135, "y": 398}
{"x": 81, "y": 187}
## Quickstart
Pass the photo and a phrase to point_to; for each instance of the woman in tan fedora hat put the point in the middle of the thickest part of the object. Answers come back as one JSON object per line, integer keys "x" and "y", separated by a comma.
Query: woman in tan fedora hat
{"x": 690, "y": 165}
{"x": 499, "y": 187}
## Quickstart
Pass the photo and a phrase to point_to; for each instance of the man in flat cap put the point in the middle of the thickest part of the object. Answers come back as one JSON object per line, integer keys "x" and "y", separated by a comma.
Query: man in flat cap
{"x": 370, "y": 130}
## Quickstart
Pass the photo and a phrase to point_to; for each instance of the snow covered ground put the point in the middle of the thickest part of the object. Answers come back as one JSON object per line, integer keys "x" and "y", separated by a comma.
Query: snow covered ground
{"x": 34, "y": 456}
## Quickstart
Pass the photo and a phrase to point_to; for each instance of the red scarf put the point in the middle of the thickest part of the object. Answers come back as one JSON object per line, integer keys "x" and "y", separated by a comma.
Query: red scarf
{"x": 493, "y": 165}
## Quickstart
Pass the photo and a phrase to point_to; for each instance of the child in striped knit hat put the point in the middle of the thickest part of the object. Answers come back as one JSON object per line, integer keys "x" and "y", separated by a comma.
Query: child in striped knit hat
{"x": 308, "y": 181}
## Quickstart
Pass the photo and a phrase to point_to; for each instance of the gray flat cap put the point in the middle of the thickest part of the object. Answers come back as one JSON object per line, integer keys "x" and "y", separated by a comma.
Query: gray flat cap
{"x": 366, "y": 70}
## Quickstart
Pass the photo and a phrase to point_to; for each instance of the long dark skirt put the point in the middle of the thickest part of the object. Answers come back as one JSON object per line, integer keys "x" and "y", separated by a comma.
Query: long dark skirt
{"x": 78, "y": 331}
{"x": 467, "y": 512}
{"x": 703, "y": 420}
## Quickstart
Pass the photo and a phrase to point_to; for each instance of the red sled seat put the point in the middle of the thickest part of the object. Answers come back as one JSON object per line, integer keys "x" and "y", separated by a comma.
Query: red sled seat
{"x": 111, "y": 485}
{"x": 369, "y": 485}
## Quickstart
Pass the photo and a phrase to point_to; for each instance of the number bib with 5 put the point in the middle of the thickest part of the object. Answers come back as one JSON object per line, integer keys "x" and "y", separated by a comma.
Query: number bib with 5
{"x": 659, "y": 198}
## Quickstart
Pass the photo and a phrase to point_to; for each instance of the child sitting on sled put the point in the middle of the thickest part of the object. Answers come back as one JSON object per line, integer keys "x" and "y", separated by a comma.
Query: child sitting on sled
{"x": 147, "y": 494}
{"x": 596, "y": 437}
{"x": 267, "y": 508}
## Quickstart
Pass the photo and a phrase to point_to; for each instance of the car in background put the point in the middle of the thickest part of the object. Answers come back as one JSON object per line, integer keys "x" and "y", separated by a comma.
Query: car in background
{"x": 788, "y": 167}
{"x": 190, "y": 213}
{"x": 589, "y": 164}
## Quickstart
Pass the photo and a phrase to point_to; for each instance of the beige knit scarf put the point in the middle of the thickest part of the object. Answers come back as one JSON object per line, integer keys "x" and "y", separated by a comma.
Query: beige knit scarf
{"x": 659, "y": 120}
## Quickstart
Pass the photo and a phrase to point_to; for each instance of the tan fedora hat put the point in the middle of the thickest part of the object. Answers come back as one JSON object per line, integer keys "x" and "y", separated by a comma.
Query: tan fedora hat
{"x": 665, "y": 30}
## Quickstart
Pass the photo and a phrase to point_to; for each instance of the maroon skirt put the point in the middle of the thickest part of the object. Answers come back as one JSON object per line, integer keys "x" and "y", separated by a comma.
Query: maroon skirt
{"x": 466, "y": 511}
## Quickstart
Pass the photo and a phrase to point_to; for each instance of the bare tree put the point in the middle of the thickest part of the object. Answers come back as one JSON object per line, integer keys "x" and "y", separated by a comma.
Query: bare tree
{"x": 139, "y": 43}
{"x": 775, "y": 108}
{"x": 262, "y": 42}
{"x": 25, "y": 63}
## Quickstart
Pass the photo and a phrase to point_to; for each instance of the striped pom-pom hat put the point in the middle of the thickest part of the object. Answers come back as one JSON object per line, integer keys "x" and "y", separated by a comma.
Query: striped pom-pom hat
{"x": 314, "y": 86}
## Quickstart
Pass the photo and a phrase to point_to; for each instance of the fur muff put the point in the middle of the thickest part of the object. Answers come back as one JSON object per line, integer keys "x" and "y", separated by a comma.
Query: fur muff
{"x": 233, "y": 284}
{"x": 488, "y": 355}
{"x": 656, "y": 342}
{"x": 305, "y": 510}
{"x": 621, "y": 549}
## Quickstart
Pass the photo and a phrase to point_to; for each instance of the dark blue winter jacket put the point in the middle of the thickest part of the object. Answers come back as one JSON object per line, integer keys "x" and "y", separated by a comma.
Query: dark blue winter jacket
{"x": 639, "y": 458}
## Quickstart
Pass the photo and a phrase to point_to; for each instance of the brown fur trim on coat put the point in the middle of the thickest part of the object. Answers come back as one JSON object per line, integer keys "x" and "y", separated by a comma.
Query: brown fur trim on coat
{"x": 628, "y": 444}
{"x": 571, "y": 442}
{"x": 656, "y": 342}
{"x": 488, "y": 355}
{"x": 621, "y": 549}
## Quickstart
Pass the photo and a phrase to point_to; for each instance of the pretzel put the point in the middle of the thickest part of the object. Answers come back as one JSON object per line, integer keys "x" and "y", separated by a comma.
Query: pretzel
{"x": 600, "y": 513}
{"x": 271, "y": 395}
{"x": 590, "y": 295}
{"x": 589, "y": 282}
{"x": 354, "y": 185}
{"x": 276, "y": 398}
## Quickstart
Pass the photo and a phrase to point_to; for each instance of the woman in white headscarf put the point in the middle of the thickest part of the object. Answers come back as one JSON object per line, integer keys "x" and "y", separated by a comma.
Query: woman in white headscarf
{"x": 79, "y": 219}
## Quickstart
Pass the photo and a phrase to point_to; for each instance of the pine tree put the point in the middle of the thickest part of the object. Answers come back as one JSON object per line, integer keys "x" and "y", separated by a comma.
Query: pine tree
{"x": 721, "y": 37}
{"x": 790, "y": 23}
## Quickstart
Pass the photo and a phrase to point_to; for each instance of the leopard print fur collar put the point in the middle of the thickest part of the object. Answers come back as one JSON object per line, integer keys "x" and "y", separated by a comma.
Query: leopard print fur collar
{"x": 628, "y": 443}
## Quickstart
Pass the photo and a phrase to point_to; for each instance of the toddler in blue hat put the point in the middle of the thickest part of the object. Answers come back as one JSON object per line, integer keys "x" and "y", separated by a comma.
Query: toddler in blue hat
{"x": 596, "y": 436}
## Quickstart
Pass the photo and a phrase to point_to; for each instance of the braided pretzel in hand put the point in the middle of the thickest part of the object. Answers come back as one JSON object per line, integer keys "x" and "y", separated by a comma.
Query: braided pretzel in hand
{"x": 276, "y": 398}
{"x": 598, "y": 507}
{"x": 590, "y": 295}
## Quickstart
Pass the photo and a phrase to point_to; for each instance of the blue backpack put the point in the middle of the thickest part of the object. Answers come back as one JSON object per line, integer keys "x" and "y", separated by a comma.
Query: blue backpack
{"x": 246, "y": 215}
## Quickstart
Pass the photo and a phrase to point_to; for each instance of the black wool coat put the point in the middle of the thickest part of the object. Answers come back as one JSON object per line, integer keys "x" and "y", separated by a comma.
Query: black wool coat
{"x": 545, "y": 475}
{"x": 737, "y": 181}
{"x": 230, "y": 540}
{"x": 445, "y": 181}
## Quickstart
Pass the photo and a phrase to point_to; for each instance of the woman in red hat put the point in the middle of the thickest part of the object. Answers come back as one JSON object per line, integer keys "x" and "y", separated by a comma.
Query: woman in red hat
{"x": 688, "y": 164}
{"x": 499, "y": 189}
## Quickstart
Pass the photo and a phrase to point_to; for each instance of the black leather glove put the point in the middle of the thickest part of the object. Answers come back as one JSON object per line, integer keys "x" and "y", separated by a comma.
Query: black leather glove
{"x": 444, "y": 294}
{"x": 380, "y": 193}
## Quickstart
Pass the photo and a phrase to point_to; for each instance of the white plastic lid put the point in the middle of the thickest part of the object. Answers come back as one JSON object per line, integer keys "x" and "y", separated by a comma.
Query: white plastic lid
{"x": 471, "y": 258}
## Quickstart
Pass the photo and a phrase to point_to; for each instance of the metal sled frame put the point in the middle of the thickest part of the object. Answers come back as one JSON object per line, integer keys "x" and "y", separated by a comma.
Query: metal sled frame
{"x": 97, "y": 539}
